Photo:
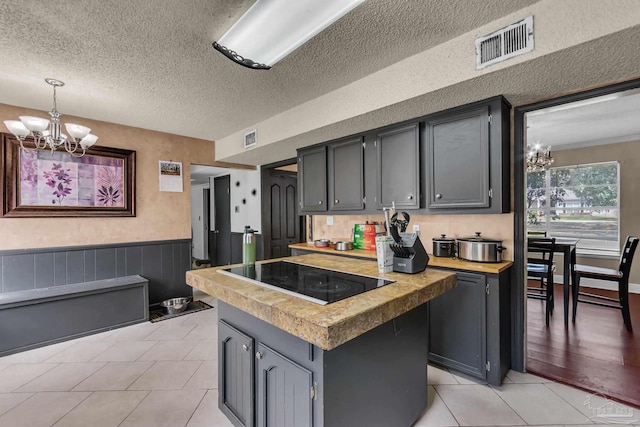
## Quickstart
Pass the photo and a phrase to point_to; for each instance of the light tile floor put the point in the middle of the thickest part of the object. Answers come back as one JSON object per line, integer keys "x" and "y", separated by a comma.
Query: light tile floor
{"x": 165, "y": 374}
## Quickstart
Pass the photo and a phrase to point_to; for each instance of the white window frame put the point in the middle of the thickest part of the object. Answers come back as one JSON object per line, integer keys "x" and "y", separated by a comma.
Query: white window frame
{"x": 547, "y": 209}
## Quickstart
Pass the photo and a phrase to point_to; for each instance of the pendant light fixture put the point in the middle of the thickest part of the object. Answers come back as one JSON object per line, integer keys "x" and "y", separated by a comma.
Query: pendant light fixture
{"x": 47, "y": 134}
{"x": 272, "y": 29}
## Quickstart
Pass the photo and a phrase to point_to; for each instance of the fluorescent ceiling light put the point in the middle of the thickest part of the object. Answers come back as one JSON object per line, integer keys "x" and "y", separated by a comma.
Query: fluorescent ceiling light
{"x": 272, "y": 29}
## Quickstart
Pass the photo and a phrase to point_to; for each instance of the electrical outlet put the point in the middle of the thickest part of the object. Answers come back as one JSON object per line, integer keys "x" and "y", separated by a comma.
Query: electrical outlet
{"x": 329, "y": 220}
{"x": 416, "y": 228}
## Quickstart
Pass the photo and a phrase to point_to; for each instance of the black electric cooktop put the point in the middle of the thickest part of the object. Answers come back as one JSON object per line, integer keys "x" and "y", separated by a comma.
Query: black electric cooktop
{"x": 311, "y": 283}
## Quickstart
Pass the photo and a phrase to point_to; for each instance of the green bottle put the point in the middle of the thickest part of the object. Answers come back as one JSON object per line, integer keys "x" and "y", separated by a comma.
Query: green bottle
{"x": 248, "y": 246}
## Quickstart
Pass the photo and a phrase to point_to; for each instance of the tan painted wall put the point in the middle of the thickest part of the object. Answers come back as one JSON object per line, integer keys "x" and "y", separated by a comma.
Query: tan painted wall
{"x": 498, "y": 226}
{"x": 628, "y": 154}
{"x": 159, "y": 216}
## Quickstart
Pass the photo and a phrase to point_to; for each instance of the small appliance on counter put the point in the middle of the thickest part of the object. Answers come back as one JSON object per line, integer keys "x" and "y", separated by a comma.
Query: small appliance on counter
{"x": 444, "y": 246}
{"x": 480, "y": 249}
{"x": 409, "y": 255}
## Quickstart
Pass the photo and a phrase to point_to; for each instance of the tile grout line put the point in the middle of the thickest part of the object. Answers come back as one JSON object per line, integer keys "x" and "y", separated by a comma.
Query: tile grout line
{"x": 71, "y": 409}
{"x": 35, "y": 378}
{"x": 445, "y": 403}
{"x": 569, "y": 403}
{"x": 136, "y": 407}
{"x": 509, "y": 406}
{"x": 153, "y": 362}
{"x": 197, "y": 406}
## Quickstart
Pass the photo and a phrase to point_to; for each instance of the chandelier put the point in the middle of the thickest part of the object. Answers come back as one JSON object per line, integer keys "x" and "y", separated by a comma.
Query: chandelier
{"x": 47, "y": 133}
{"x": 538, "y": 160}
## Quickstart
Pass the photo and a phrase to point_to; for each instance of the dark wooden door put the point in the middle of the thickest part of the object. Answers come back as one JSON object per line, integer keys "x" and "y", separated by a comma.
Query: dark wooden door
{"x": 284, "y": 391}
{"x": 206, "y": 215}
{"x": 236, "y": 375}
{"x": 458, "y": 160}
{"x": 458, "y": 326}
{"x": 346, "y": 175}
{"x": 398, "y": 164}
{"x": 283, "y": 219}
{"x": 222, "y": 212}
{"x": 312, "y": 179}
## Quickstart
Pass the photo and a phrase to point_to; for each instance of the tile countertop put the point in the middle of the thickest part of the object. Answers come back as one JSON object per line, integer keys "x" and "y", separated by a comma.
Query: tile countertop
{"x": 327, "y": 326}
{"x": 434, "y": 261}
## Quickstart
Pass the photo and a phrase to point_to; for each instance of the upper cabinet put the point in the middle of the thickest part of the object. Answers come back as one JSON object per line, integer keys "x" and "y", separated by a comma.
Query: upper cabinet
{"x": 312, "y": 179}
{"x": 452, "y": 162}
{"x": 346, "y": 175}
{"x": 397, "y": 167}
{"x": 467, "y": 159}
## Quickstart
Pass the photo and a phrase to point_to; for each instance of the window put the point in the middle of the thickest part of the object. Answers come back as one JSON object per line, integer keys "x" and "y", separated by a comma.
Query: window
{"x": 579, "y": 202}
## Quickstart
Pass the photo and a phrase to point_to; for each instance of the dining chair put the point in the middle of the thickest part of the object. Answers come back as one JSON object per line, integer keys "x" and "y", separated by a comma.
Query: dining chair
{"x": 540, "y": 266}
{"x": 619, "y": 275}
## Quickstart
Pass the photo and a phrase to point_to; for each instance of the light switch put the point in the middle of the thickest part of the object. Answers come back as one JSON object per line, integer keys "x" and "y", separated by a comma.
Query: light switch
{"x": 329, "y": 220}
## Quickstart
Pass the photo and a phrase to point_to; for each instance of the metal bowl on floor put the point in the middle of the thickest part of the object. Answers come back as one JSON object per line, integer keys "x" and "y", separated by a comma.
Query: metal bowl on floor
{"x": 175, "y": 305}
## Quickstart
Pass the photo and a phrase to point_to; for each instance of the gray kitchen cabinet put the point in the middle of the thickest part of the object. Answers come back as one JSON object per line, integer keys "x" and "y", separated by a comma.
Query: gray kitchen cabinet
{"x": 298, "y": 384}
{"x": 467, "y": 159}
{"x": 312, "y": 179}
{"x": 458, "y": 331}
{"x": 346, "y": 175}
{"x": 258, "y": 385}
{"x": 236, "y": 375}
{"x": 284, "y": 391}
{"x": 470, "y": 326}
{"x": 398, "y": 167}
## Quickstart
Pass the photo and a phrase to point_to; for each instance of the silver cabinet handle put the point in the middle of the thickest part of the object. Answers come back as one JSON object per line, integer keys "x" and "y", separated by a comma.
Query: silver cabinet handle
{"x": 410, "y": 197}
{"x": 337, "y": 201}
{"x": 245, "y": 347}
{"x": 259, "y": 355}
{"x": 319, "y": 202}
{"x": 438, "y": 196}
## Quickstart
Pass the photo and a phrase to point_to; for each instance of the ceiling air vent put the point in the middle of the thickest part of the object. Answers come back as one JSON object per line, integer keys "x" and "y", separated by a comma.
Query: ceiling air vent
{"x": 250, "y": 139}
{"x": 514, "y": 40}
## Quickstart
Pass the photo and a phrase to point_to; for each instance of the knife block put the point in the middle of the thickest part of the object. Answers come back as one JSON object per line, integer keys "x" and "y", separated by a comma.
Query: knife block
{"x": 409, "y": 255}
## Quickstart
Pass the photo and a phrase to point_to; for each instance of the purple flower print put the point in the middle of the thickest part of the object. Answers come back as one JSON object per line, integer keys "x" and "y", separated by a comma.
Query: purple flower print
{"x": 108, "y": 196}
{"x": 58, "y": 178}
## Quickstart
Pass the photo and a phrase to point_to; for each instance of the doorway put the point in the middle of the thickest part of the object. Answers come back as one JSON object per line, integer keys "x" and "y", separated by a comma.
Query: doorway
{"x": 586, "y": 194}
{"x": 281, "y": 223}
{"x": 221, "y": 238}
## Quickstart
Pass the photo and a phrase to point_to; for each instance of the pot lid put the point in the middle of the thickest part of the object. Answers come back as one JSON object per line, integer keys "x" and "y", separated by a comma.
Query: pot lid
{"x": 478, "y": 238}
{"x": 443, "y": 238}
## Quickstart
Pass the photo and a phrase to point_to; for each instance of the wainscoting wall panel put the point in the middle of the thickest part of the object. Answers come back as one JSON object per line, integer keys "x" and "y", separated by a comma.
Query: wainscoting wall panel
{"x": 163, "y": 263}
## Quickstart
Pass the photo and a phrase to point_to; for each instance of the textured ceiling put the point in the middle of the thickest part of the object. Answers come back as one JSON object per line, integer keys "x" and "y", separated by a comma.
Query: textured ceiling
{"x": 150, "y": 63}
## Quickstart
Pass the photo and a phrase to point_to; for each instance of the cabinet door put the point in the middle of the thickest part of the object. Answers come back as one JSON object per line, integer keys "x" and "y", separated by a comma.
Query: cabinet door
{"x": 398, "y": 167}
{"x": 312, "y": 179}
{"x": 457, "y": 326}
{"x": 458, "y": 160}
{"x": 346, "y": 175}
{"x": 235, "y": 375}
{"x": 284, "y": 391}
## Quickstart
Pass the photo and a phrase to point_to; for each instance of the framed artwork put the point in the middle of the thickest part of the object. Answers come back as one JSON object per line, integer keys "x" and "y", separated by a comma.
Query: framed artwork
{"x": 41, "y": 183}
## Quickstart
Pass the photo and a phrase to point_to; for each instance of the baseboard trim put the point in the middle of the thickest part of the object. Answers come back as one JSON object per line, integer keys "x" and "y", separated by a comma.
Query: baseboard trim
{"x": 634, "y": 288}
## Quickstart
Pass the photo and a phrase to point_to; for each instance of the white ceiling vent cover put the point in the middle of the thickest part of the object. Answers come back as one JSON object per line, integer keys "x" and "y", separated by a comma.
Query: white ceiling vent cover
{"x": 514, "y": 40}
{"x": 250, "y": 139}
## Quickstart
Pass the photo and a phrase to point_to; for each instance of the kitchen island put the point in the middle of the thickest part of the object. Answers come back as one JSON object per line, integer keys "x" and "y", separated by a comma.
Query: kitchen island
{"x": 284, "y": 361}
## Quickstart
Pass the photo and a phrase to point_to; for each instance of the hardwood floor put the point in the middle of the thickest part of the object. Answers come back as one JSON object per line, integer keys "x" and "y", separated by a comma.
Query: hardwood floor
{"x": 596, "y": 353}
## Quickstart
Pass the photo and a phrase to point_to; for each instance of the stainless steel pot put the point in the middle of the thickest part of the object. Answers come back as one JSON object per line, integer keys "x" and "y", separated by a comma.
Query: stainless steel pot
{"x": 480, "y": 249}
{"x": 343, "y": 246}
{"x": 444, "y": 246}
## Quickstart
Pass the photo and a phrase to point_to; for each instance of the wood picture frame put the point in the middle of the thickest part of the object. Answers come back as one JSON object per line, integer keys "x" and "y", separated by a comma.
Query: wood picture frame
{"x": 41, "y": 183}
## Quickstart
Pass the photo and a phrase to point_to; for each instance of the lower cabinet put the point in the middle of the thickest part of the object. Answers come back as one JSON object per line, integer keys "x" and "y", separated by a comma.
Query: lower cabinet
{"x": 470, "y": 326}
{"x": 236, "y": 370}
{"x": 270, "y": 378}
{"x": 284, "y": 390}
{"x": 277, "y": 388}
